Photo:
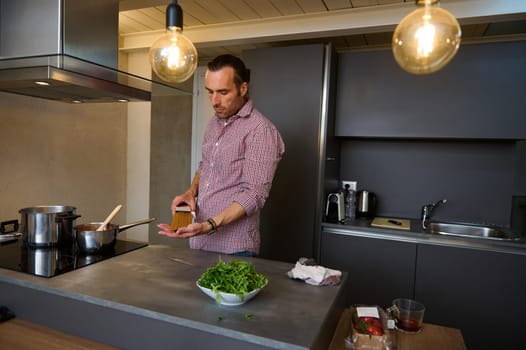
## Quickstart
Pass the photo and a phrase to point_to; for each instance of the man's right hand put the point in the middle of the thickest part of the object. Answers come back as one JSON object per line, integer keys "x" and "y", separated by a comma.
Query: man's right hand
{"x": 185, "y": 198}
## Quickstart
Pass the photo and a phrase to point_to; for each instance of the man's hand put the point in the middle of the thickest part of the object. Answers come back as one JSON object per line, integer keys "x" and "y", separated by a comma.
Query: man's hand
{"x": 185, "y": 198}
{"x": 191, "y": 230}
{"x": 189, "y": 196}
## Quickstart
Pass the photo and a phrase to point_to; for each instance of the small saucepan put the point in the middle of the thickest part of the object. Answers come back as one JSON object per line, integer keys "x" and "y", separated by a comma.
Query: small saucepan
{"x": 91, "y": 241}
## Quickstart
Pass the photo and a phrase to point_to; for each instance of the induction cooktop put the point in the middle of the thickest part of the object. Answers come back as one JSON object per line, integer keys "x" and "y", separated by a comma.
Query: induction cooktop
{"x": 53, "y": 261}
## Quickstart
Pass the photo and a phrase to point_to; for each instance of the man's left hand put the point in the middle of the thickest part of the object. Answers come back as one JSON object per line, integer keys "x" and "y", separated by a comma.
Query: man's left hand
{"x": 191, "y": 230}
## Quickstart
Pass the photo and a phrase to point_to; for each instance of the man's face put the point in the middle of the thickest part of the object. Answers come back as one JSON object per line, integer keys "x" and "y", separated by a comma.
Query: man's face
{"x": 223, "y": 93}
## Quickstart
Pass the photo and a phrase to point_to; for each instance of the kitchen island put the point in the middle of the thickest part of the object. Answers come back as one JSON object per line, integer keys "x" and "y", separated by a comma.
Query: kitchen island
{"x": 148, "y": 299}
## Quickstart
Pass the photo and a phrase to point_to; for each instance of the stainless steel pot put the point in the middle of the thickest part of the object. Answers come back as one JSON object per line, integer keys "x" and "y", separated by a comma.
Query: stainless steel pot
{"x": 44, "y": 226}
{"x": 91, "y": 241}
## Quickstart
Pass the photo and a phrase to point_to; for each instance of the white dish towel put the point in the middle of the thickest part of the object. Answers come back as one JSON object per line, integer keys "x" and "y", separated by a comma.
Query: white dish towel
{"x": 314, "y": 274}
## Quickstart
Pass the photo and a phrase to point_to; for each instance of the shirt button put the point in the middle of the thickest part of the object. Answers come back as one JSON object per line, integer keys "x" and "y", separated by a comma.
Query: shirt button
{"x": 217, "y": 144}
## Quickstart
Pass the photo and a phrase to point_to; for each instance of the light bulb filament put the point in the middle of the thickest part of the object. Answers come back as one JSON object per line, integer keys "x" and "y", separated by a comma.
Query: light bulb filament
{"x": 425, "y": 37}
{"x": 172, "y": 57}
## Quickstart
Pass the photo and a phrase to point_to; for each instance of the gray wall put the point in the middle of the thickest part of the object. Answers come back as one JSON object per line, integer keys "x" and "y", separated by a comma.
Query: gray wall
{"x": 454, "y": 134}
{"x": 56, "y": 153}
{"x": 171, "y": 141}
{"x": 476, "y": 177}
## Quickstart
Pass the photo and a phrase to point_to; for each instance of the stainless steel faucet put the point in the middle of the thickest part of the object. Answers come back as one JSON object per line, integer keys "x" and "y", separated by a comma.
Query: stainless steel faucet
{"x": 427, "y": 210}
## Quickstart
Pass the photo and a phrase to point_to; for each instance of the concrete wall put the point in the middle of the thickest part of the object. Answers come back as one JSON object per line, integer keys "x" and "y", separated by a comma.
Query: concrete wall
{"x": 159, "y": 149}
{"x": 171, "y": 136}
{"x": 55, "y": 153}
{"x": 138, "y": 150}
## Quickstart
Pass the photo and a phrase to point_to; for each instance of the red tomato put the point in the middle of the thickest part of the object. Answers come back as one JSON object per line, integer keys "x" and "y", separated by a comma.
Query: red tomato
{"x": 375, "y": 330}
{"x": 376, "y": 322}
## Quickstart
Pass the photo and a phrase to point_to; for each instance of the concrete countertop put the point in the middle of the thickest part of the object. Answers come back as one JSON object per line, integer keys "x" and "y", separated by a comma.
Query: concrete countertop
{"x": 362, "y": 227}
{"x": 287, "y": 314}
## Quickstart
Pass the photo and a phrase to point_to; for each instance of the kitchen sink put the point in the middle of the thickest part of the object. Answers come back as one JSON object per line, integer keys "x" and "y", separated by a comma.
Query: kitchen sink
{"x": 468, "y": 230}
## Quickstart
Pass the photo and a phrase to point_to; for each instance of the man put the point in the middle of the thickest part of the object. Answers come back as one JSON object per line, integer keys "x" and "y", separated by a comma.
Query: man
{"x": 241, "y": 151}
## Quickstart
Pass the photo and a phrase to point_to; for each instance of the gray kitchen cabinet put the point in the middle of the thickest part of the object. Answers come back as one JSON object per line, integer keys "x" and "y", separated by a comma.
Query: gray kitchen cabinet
{"x": 292, "y": 87}
{"x": 478, "y": 95}
{"x": 380, "y": 270}
{"x": 480, "y": 292}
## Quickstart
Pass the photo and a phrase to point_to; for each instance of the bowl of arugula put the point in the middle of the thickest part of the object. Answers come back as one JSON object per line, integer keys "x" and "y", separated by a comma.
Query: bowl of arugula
{"x": 233, "y": 283}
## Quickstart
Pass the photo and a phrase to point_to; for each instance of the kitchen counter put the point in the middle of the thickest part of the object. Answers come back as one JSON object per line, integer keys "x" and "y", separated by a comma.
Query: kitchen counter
{"x": 144, "y": 299}
{"x": 362, "y": 227}
{"x": 453, "y": 277}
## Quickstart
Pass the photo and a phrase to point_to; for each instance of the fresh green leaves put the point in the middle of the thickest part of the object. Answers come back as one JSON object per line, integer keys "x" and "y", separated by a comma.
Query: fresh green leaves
{"x": 236, "y": 277}
{"x": 247, "y": 317}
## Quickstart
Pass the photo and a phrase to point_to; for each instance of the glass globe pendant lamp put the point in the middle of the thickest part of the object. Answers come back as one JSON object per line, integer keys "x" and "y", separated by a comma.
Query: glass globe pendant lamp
{"x": 173, "y": 56}
{"x": 426, "y": 39}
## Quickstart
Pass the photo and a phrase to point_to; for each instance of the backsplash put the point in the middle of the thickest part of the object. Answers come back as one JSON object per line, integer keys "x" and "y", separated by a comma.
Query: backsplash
{"x": 478, "y": 178}
{"x": 55, "y": 153}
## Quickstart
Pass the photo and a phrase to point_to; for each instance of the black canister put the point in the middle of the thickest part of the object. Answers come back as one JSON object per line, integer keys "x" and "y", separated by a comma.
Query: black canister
{"x": 366, "y": 204}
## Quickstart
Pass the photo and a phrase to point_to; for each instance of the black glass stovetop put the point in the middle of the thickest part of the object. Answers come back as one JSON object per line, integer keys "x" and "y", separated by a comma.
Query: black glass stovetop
{"x": 53, "y": 261}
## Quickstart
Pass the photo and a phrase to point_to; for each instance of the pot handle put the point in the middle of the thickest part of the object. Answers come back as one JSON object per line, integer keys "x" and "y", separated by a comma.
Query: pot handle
{"x": 9, "y": 226}
{"x": 136, "y": 223}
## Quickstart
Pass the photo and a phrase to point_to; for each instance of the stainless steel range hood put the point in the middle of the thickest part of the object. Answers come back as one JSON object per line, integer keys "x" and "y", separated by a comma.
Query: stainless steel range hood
{"x": 67, "y": 50}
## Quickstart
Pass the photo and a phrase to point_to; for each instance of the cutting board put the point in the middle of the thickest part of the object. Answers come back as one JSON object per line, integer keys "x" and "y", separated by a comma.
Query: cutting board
{"x": 404, "y": 224}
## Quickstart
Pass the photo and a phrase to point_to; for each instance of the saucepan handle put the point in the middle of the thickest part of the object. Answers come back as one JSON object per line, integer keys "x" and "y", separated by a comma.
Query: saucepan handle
{"x": 133, "y": 224}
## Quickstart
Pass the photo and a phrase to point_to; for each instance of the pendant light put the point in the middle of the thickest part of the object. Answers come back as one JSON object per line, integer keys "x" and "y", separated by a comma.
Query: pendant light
{"x": 426, "y": 39}
{"x": 173, "y": 57}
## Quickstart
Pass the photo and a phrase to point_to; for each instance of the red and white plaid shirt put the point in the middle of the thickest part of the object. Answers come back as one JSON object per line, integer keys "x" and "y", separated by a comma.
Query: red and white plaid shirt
{"x": 239, "y": 159}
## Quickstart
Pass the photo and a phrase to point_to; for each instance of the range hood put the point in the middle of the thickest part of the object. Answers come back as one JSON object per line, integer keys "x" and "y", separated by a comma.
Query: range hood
{"x": 67, "y": 50}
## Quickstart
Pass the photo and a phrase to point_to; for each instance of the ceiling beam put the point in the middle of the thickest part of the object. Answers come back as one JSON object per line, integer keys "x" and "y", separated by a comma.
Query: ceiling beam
{"x": 127, "y": 5}
{"x": 373, "y": 19}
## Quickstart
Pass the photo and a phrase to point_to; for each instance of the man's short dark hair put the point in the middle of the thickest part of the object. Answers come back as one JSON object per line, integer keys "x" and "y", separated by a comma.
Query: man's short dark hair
{"x": 241, "y": 73}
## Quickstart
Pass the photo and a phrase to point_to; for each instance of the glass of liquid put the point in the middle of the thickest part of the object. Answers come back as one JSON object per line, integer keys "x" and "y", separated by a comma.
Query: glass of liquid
{"x": 408, "y": 315}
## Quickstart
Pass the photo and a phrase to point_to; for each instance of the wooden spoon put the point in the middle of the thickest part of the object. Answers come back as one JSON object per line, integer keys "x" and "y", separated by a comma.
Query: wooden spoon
{"x": 108, "y": 219}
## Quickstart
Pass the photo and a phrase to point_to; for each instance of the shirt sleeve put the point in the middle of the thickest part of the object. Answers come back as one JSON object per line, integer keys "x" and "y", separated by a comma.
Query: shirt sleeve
{"x": 264, "y": 149}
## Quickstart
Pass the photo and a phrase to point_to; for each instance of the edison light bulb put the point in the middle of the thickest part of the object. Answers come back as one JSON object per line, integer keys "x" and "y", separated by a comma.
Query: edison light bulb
{"x": 173, "y": 56}
{"x": 426, "y": 40}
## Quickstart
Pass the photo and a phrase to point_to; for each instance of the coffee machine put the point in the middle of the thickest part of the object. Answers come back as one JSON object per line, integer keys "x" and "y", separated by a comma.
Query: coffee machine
{"x": 335, "y": 210}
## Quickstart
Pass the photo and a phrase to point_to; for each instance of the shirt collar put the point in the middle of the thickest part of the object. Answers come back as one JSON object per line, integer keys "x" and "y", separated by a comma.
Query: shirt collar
{"x": 243, "y": 112}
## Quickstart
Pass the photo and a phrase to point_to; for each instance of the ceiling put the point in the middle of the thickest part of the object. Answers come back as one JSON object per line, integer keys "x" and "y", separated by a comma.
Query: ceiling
{"x": 231, "y": 26}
